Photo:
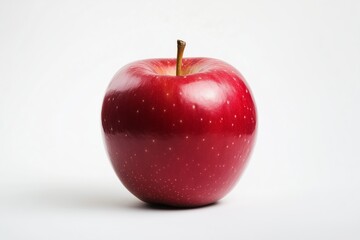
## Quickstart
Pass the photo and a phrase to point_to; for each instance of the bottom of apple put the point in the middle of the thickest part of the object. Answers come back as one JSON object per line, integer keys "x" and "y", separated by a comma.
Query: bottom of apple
{"x": 172, "y": 202}
{"x": 170, "y": 206}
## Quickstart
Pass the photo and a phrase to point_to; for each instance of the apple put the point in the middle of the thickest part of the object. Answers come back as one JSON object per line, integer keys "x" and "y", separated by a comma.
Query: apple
{"x": 179, "y": 131}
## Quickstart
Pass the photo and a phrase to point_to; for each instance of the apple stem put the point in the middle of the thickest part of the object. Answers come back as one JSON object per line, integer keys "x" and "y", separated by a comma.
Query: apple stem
{"x": 180, "y": 51}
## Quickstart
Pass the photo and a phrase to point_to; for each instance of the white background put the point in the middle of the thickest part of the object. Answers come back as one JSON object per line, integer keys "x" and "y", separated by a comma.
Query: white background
{"x": 301, "y": 59}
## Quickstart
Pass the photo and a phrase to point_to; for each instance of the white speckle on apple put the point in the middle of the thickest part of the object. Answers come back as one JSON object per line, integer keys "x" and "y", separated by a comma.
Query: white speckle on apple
{"x": 137, "y": 111}
{"x": 235, "y": 116}
{"x": 246, "y": 91}
{"x": 117, "y": 107}
{"x": 118, "y": 121}
{"x": 164, "y": 110}
{"x": 218, "y": 154}
{"x": 167, "y": 94}
{"x": 212, "y": 148}
{"x": 180, "y": 121}
{"x": 244, "y": 116}
{"x": 109, "y": 99}
{"x": 111, "y": 129}
{"x": 193, "y": 106}
{"x": 173, "y": 124}
{"x": 227, "y": 146}
{"x": 203, "y": 139}
{"x": 125, "y": 135}
{"x": 232, "y": 124}
{"x": 143, "y": 100}
{"x": 174, "y": 104}
{"x": 104, "y": 119}
{"x": 240, "y": 135}
{"x": 186, "y": 137}
{"x": 201, "y": 119}
{"x": 234, "y": 78}
{"x": 232, "y": 143}
{"x": 113, "y": 98}
{"x": 200, "y": 78}
{"x": 209, "y": 121}
{"x": 134, "y": 154}
{"x": 153, "y": 108}
{"x": 170, "y": 148}
{"x": 153, "y": 140}
{"x": 227, "y": 102}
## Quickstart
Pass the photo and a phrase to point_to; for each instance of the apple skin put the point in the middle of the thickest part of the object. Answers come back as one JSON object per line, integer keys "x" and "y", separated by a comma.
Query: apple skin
{"x": 181, "y": 141}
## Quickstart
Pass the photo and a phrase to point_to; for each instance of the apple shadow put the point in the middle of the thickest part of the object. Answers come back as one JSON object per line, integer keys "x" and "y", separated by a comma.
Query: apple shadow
{"x": 162, "y": 207}
{"x": 97, "y": 198}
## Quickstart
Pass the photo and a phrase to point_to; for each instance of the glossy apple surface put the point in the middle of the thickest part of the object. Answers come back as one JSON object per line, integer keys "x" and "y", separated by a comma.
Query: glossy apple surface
{"x": 179, "y": 140}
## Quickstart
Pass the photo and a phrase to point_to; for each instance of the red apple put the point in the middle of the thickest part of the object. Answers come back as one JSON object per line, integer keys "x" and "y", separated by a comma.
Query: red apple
{"x": 179, "y": 139}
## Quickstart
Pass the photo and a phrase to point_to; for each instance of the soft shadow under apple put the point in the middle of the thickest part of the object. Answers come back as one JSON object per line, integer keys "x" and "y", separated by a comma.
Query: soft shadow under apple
{"x": 85, "y": 198}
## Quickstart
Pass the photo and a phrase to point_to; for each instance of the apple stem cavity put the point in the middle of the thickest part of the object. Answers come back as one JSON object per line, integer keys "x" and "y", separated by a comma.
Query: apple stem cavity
{"x": 180, "y": 51}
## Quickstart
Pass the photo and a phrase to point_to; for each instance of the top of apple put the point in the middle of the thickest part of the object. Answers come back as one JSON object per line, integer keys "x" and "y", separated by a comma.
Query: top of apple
{"x": 178, "y": 67}
{"x": 163, "y": 87}
{"x": 167, "y": 67}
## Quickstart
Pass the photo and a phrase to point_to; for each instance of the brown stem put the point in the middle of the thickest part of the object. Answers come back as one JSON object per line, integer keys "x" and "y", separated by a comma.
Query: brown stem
{"x": 180, "y": 51}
